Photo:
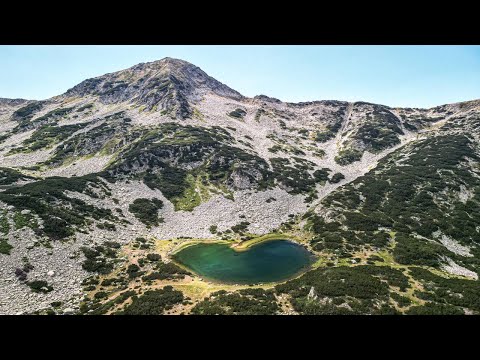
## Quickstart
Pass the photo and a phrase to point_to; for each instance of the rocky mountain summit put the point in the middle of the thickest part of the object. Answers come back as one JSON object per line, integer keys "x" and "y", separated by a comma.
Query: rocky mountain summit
{"x": 144, "y": 159}
{"x": 168, "y": 85}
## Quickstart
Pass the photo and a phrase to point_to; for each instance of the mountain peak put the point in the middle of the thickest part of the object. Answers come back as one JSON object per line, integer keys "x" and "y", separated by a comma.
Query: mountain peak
{"x": 168, "y": 85}
{"x": 167, "y": 63}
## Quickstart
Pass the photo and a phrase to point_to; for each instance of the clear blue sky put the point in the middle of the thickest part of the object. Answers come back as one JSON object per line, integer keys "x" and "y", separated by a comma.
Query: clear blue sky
{"x": 414, "y": 76}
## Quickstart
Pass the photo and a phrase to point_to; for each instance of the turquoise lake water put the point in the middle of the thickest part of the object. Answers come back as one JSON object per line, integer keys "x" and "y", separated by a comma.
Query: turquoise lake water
{"x": 269, "y": 261}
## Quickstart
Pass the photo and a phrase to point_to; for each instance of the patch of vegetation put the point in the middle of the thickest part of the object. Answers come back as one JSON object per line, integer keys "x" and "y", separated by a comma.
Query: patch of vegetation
{"x": 450, "y": 291}
{"x": 241, "y": 227}
{"x": 324, "y": 136}
{"x": 258, "y": 114}
{"x": 154, "y": 302}
{"x": 97, "y": 308}
{"x": 435, "y": 309}
{"x": 146, "y": 210}
{"x": 5, "y": 247}
{"x": 60, "y": 213}
{"x": 237, "y": 114}
{"x": 84, "y": 107}
{"x": 321, "y": 175}
{"x": 333, "y": 238}
{"x": 112, "y": 244}
{"x": 10, "y": 176}
{"x": 107, "y": 138}
{"x": 242, "y": 302}
{"x": 4, "y": 225}
{"x": 98, "y": 259}
{"x": 165, "y": 153}
{"x": 394, "y": 277}
{"x": 416, "y": 251}
{"x": 417, "y": 195}
{"x": 170, "y": 181}
{"x": 380, "y": 130}
{"x": 191, "y": 196}
{"x": 336, "y": 178}
{"x": 348, "y": 156}
{"x": 27, "y": 112}
{"x": 24, "y": 220}
{"x": 378, "y": 139}
{"x": 39, "y": 286}
{"x": 340, "y": 290}
{"x": 402, "y": 301}
{"x": 133, "y": 271}
{"x": 296, "y": 177}
{"x": 213, "y": 229}
{"x": 106, "y": 226}
{"x": 373, "y": 258}
{"x": 100, "y": 295}
{"x": 154, "y": 257}
{"x": 47, "y": 135}
{"x": 331, "y": 129}
{"x": 25, "y": 122}
{"x": 275, "y": 149}
{"x": 165, "y": 271}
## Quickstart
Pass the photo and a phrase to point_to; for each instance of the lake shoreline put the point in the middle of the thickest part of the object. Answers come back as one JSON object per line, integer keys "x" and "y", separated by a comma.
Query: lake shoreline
{"x": 238, "y": 246}
{"x": 248, "y": 244}
{"x": 201, "y": 266}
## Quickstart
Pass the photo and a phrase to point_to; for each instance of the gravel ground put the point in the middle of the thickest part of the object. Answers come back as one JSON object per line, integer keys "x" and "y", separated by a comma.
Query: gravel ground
{"x": 453, "y": 268}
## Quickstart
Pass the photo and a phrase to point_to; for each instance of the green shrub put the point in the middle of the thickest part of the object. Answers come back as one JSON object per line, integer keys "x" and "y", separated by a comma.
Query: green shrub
{"x": 237, "y": 113}
{"x": 154, "y": 257}
{"x": 106, "y": 226}
{"x": 5, "y": 247}
{"x": 146, "y": 210}
{"x": 100, "y": 295}
{"x": 435, "y": 309}
{"x": 416, "y": 251}
{"x": 336, "y": 178}
{"x": 10, "y": 176}
{"x": 166, "y": 271}
{"x": 133, "y": 271}
{"x": 112, "y": 244}
{"x": 348, "y": 156}
{"x": 97, "y": 259}
{"x": 154, "y": 302}
{"x": 402, "y": 301}
{"x": 61, "y": 214}
{"x": 242, "y": 302}
{"x": 84, "y": 107}
{"x": 241, "y": 227}
{"x": 39, "y": 286}
{"x": 364, "y": 289}
{"x": 321, "y": 175}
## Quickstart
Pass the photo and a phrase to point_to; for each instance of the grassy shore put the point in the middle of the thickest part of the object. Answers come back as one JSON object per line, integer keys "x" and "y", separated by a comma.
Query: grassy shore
{"x": 235, "y": 244}
{"x": 245, "y": 245}
{"x": 190, "y": 242}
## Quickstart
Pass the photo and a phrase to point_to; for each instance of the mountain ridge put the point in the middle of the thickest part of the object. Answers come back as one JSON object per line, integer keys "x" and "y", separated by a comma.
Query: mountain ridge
{"x": 175, "y": 64}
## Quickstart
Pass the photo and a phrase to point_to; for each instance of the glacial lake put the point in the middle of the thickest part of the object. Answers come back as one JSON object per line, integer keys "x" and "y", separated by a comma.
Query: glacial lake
{"x": 269, "y": 261}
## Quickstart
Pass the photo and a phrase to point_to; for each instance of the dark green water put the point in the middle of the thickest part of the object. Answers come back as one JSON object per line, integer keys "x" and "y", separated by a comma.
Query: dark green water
{"x": 266, "y": 262}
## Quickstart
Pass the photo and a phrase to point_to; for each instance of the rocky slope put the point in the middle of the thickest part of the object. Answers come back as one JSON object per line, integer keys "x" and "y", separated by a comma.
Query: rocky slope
{"x": 347, "y": 178}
